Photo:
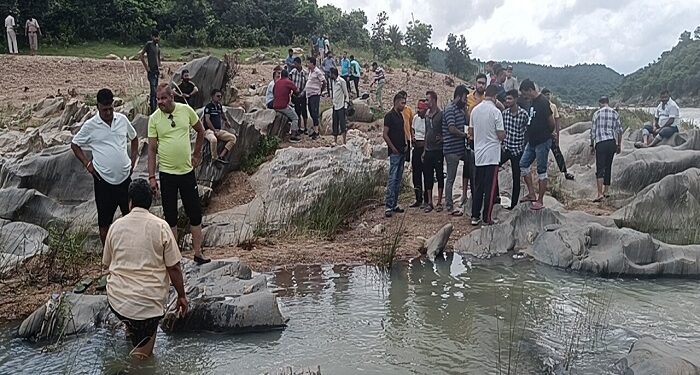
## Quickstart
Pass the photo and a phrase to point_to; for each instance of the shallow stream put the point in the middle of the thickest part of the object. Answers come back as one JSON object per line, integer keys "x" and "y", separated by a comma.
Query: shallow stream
{"x": 420, "y": 318}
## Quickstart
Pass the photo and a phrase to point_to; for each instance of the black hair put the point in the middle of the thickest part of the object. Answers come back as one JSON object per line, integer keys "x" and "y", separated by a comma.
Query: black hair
{"x": 352, "y": 57}
{"x": 312, "y": 60}
{"x": 185, "y": 71}
{"x": 398, "y": 97}
{"x": 491, "y": 90}
{"x": 375, "y": 64}
{"x": 285, "y": 73}
{"x": 291, "y": 51}
{"x": 481, "y": 75}
{"x": 297, "y": 60}
{"x": 546, "y": 91}
{"x": 105, "y": 97}
{"x": 403, "y": 93}
{"x": 140, "y": 194}
{"x": 604, "y": 100}
{"x": 215, "y": 91}
{"x": 460, "y": 91}
{"x": 155, "y": 33}
{"x": 665, "y": 92}
{"x": 527, "y": 84}
{"x": 334, "y": 70}
{"x": 513, "y": 93}
{"x": 432, "y": 94}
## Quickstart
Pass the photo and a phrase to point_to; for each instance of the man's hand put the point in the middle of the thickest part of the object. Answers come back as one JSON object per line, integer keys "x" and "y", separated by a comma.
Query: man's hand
{"x": 592, "y": 149}
{"x": 91, "y": 169}
{"x": 196, "y": 159}
{"x": 154, "y": 185}
{"x": 555, "y": 137}
{"x": 395, "y": 151}
{"x": 182, "y": 306}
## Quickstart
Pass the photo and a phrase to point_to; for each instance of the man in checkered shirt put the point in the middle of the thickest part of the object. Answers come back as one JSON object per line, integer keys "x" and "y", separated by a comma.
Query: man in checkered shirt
{"x": 606, "y": 140}
{"x": 515, "y": 122}
{"x": 299, "y": 77}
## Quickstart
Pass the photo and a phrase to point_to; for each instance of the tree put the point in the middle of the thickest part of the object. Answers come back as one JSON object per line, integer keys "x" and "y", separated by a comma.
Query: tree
{"x": 379, "y": 37}
{"x": 395, "y": 37}
{"x": 457, "y": 59}
{"x": 685, "y": 37}
{"x": 697, "y": 33}
{"x": 417, "y": 40}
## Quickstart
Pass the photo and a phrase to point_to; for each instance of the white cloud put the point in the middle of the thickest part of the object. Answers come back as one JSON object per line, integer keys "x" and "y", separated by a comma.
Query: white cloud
{"x": 623, "y": 34}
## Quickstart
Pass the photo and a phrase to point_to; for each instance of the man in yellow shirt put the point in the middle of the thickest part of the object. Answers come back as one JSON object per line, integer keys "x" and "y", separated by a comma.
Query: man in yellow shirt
{"x": 142, "y": 257}
{"x": 169, "y": 137}
{"x": 558, "y": 156}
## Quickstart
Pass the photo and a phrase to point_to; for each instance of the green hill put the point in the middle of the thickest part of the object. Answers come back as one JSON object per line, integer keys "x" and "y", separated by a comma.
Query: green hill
{"x": 677, "y": 70}
{"x": 580, "y": 84}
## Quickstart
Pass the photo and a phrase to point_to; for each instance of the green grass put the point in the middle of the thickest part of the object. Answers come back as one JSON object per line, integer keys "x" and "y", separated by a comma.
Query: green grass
{"x": 267, "y": 145}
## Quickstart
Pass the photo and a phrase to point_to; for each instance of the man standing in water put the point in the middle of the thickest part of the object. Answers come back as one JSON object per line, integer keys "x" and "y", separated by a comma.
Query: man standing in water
{"x": 396, "y": 143}
{"x": 152, "y": 51}
{"x": 142, "y": 257}
{"x": 540, "y": 126}
{"x": 107, "y": 135}
{"x": 169, "y": 138}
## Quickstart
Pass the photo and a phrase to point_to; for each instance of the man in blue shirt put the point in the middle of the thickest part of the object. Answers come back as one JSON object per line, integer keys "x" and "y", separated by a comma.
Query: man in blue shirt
{"x": 345, "y": 69}
{"x": 328, "y": 63}
{"x": 290, "y": 61}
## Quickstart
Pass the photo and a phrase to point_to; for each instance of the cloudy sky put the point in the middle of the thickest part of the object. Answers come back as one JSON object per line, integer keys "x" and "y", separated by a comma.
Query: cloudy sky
{"x": 623, "y": 34}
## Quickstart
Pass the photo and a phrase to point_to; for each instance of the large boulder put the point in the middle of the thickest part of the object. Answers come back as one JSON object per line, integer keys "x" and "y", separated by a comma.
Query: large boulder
{"x": 649, "y": 356}
{"x": 223, "y": 297}
{"x": 48, "y": 107}
{"x": 18, "y": 242}
{"x": 669, "y": 208}
{"x": 207, "y": 73}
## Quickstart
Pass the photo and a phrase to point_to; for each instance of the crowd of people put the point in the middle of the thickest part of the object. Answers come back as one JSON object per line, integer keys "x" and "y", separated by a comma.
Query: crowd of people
{"x": 500, "y": 121}
{"x": 31, "y": 30}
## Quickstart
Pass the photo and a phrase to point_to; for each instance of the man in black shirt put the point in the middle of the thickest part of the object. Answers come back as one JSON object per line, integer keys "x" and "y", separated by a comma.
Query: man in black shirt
{"x": 185, "y": 90}
{"x": 395, "y": 139}
{"x": 151, "y": 50}
{"x": 432, "y": 156}
{"x": 539, "y": 141}
{"x": 214, "y": 118}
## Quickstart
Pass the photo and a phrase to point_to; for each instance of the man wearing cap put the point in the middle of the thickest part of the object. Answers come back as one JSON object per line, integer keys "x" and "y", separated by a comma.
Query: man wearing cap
{"x": 418, "y": 141}
{"x": 511, "y": 82}
{"x": 558, "y": 156}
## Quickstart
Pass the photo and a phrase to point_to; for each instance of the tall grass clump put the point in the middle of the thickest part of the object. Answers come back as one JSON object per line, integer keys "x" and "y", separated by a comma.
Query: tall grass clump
{"x": 384, "y": 256}
{"x": 267, "y": 145}
{"x": 342, "y": 201}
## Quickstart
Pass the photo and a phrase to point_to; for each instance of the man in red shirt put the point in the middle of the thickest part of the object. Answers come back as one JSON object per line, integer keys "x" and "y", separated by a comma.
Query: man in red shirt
{"x": 281, "y": 92}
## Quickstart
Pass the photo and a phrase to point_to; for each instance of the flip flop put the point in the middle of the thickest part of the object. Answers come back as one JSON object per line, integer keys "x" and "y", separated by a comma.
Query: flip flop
{"x": 599, "y": 199}
{"x": 456, "y": 213}
{"x": 82, "y": 286}
{"x": 438, "y": 208}
{"x": 527, "y": 199}
{"x": 537, "y": 206}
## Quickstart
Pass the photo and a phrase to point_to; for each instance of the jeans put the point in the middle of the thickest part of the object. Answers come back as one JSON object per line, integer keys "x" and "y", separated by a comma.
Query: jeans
{"x": 540, "y": 153}
{"x": 604, "y": 154}
{"x": 417, "y": 173}
{"x": 665, "y": 132}
{"x": 292, "y": 116}
{"x": 559, "y": 157}
{"x": 153, "y": 86}
{"x": 314, "y": 108}
{"x": 452, "y": 161}
{"x": 484, "y": 192}
{"x": 515, "y": 170}
{"x": 356, "y": 80}
{"x": 393, "y": 186}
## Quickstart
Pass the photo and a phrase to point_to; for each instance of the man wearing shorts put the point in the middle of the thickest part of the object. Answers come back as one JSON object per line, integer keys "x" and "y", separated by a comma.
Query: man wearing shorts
{"x": 107, "y": 135}
{"x": 666, "y": 120}
{"x": 340, "y": 103}
{"x": 169, "y": 137}
{"x": 215, "y": 120}
{"x": 142, "y": 257}
{"x": 539, "y": 141}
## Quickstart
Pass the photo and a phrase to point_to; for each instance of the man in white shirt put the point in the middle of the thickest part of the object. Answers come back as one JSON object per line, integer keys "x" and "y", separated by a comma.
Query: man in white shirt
{"x": 33, "y": 31}
{"x": 269, "y": 93}
{"x": 666, "y": 120}
{"x": 486, "y": 123}
{"x": 142, "y": 257}
{"x": 418, "y": 142}
{"x": 340, "y": 104}
{"x": 106, "y": 135}
{"x": 11, "y": 35}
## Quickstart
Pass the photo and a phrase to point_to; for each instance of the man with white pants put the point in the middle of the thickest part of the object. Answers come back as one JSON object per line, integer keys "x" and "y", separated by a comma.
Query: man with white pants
{"x": 11, "y": 35}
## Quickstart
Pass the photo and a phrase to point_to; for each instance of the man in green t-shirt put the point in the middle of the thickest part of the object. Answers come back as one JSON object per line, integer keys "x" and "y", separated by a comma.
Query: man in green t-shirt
{"x": 169, "y": 137}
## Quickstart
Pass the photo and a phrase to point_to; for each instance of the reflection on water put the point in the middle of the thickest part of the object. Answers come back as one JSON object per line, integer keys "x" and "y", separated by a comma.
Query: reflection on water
{"x": 450, "y": 317}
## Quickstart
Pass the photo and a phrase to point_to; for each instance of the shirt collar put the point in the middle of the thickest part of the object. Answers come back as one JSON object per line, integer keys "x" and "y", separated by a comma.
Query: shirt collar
{"x": 139, "y": 210}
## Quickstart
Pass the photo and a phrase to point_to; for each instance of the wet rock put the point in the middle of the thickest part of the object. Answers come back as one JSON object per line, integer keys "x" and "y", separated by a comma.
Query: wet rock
{"x": 649, "y": 356}
{"x": 435, "y": 245}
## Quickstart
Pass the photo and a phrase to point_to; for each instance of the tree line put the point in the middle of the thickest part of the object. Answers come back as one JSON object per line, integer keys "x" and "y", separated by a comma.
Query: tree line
{"x": 677, "y": 70}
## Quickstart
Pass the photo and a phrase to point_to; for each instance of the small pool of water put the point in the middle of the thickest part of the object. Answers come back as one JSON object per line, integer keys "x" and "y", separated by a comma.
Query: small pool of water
{"x": 451, "y": 317}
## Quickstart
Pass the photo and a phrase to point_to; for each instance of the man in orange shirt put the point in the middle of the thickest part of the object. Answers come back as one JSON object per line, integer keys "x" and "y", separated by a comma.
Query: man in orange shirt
{"x": 407, "y": 124}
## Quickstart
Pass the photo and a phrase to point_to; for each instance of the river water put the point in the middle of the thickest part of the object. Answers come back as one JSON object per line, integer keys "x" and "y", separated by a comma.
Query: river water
{"x": 420, "y": 318}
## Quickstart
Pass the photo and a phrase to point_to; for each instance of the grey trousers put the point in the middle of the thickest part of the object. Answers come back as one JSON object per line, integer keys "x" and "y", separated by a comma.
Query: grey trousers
{"x": 452, "y": 161}
{"x": 292, "y": 115}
